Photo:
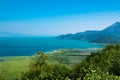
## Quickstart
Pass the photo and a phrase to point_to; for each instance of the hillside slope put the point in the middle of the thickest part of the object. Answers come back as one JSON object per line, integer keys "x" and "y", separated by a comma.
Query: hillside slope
{"x": 109, "y": 35}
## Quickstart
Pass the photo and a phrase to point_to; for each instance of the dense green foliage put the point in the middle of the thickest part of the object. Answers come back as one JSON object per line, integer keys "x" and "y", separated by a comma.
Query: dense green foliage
{"x": 101, "y": 65}
{"x": 41, "y": 70}
{"x": 2, "y": 78}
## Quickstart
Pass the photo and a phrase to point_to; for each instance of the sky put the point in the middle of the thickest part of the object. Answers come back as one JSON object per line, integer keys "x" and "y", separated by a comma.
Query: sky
{"x": 55, "y": 17}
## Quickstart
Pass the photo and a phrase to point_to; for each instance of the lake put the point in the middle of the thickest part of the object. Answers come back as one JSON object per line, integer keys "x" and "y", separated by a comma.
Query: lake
{"x": 26, "y": 46}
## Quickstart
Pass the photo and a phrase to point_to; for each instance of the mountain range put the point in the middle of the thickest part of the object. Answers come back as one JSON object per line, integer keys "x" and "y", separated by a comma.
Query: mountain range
{"x": 109, "y": 35}
{"x": 10, "y": 34}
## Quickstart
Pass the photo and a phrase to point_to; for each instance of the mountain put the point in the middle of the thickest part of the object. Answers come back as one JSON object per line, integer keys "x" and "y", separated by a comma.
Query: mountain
{"x": 9, "y": 34}
{"x": 105, "y": 40}
{"x": 109, "y": 35}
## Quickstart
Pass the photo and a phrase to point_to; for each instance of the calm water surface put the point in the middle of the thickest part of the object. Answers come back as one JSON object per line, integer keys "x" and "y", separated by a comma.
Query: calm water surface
{"x": 25, "y": 46}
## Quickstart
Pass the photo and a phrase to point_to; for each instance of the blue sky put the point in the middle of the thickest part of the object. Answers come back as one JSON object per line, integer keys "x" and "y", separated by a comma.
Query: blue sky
{"x": 54, "y": 17}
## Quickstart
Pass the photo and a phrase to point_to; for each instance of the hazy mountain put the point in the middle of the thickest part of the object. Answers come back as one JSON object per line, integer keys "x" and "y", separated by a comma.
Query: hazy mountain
{"x": 108, "y": 35}
{"x": 9, "y": 34}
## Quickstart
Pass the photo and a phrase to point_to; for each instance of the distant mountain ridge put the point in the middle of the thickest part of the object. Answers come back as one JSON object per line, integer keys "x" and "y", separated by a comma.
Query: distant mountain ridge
{"x": 109, "y": 35}
{"x": 9, "y": 34}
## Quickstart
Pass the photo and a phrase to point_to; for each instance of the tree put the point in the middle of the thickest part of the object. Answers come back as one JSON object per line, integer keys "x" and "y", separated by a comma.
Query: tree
{"x": 98, "y": 66}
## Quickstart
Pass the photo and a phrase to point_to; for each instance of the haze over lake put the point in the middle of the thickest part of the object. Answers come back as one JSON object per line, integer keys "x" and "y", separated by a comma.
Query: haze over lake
{"x": 25, "y": 46}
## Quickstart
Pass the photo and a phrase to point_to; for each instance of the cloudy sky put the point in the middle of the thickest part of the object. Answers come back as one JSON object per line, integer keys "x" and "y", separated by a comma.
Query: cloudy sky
{"x": 54, "y": 17}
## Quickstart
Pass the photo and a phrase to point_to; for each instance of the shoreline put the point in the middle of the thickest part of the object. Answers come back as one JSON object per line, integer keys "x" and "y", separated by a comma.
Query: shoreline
{"x": 58, "y": 50}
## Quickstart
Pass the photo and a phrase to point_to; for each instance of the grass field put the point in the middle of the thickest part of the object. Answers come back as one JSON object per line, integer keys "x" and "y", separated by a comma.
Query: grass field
{"x": 12, "y": 67}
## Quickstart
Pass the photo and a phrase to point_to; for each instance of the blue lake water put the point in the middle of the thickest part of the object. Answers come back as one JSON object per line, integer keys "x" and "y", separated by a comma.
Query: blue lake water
{"x": 25, "y": 46}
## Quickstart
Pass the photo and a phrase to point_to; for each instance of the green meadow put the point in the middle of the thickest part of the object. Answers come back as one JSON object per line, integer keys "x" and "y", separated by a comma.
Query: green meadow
{"x": 12, "y": 67}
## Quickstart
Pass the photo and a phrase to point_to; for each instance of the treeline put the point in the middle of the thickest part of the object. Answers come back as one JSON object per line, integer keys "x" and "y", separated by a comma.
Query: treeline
{"x": 101, "y": 65}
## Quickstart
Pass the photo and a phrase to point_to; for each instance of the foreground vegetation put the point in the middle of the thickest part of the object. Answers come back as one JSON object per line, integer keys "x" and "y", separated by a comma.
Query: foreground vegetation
{"x": 100, "y": 65}
{"x": 12, "y": 67}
